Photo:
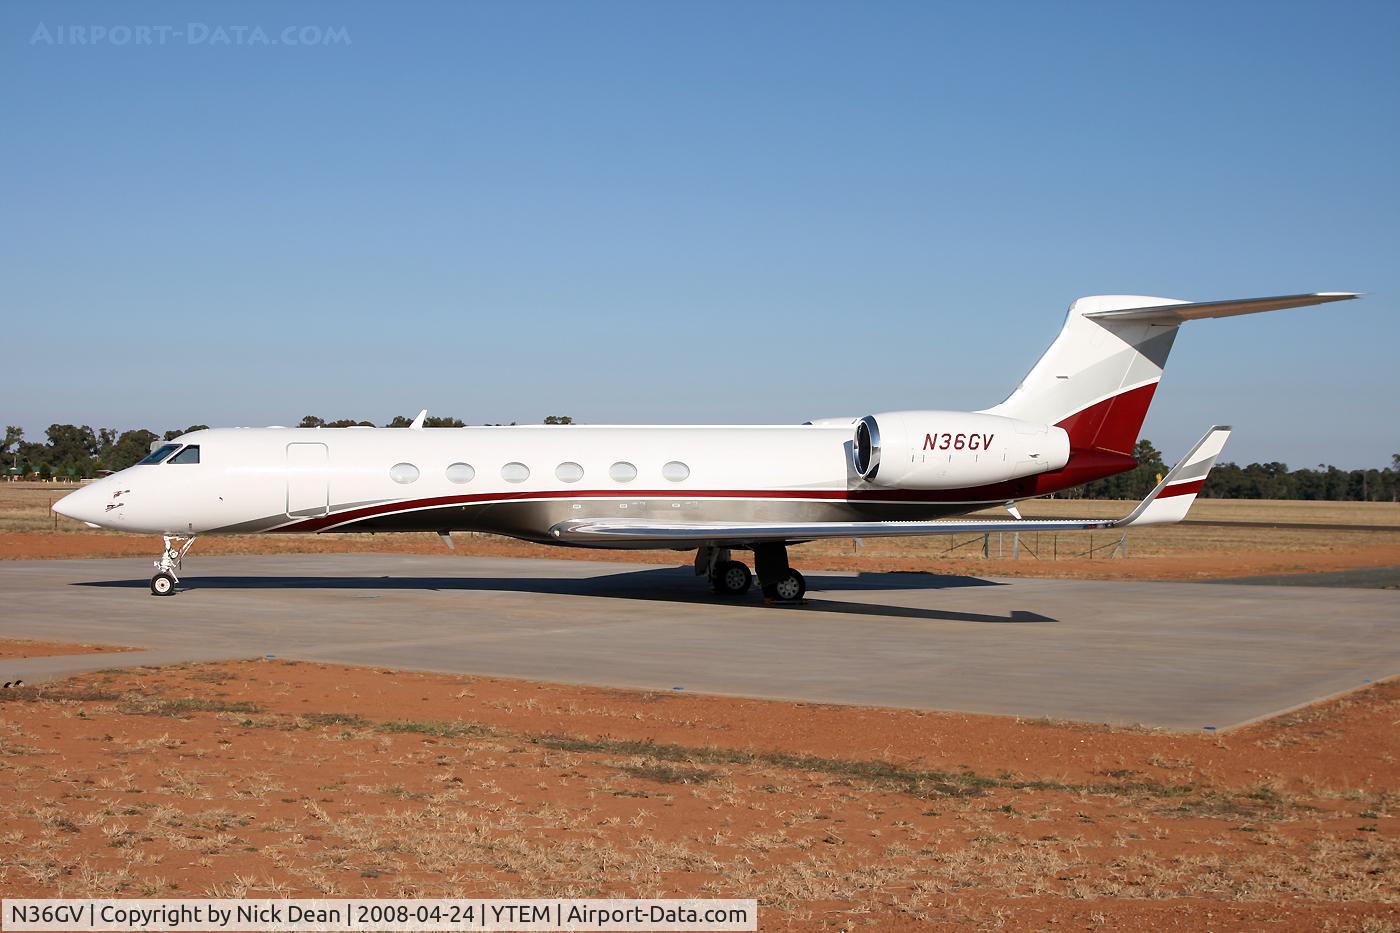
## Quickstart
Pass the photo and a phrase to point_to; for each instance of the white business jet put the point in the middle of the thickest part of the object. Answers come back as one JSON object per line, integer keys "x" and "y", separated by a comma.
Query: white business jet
{"x": 714, "y": 490}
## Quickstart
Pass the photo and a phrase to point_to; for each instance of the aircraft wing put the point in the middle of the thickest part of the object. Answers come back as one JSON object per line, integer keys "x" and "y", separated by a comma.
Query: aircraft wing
{"x": 641, "y": 531}
{"x": 1167, "y": 503}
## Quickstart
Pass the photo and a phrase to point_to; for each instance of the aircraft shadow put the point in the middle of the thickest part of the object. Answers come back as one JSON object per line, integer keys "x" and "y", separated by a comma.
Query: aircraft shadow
{"x": 663, "y": 584}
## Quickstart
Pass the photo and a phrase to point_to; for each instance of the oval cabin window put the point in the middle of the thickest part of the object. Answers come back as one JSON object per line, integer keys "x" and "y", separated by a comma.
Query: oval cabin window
{"x": 404, "y": 473}
{"x": 622, "y": 472}
{"x": 676, "y": 471}
{"x": 461, "y": 473}
{"x": 515, "y": 472}
{"x": 569, "y": 472}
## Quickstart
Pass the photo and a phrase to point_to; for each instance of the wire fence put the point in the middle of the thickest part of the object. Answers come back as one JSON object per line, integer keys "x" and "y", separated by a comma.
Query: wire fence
{"x": 1035, "y": 545}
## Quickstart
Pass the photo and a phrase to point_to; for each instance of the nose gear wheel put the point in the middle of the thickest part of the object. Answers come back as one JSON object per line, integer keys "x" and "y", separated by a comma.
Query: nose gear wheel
{"x": 168, "y": 565}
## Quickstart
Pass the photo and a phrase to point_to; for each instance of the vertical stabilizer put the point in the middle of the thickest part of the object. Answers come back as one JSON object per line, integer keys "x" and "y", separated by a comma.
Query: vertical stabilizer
{"x": 1097, "y": 379}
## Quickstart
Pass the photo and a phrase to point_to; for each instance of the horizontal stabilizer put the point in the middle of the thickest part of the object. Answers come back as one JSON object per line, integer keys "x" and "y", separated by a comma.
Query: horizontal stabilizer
{"x": 1198, "y": 310}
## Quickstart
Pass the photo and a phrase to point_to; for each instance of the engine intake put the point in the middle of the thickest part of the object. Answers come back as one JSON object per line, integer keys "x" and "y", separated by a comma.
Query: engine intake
{"x": 867, "y": 447}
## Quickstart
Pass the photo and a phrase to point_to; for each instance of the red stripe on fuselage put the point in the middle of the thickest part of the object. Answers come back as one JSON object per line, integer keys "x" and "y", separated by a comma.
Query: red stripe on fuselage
{"x": 435, "y": 502}
{"x": 1101, "y": 439}
{"x": 407, "y": 505}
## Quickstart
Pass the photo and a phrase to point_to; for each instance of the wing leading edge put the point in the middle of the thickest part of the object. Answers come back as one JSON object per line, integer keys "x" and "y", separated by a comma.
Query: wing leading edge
{"x": 1168, "y": 502}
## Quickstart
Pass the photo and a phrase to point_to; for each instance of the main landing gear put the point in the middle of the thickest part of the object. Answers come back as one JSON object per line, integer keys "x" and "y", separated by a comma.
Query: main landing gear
{"x": 729, "y": 577}
{"x": 781, "y": 584}
{"x": 168, "y": 566}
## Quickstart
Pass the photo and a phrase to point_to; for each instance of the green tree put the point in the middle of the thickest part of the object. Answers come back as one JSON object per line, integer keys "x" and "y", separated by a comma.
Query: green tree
{"x": 14, "y": 436}
{"x": 106, "y": 437}
{"x": 130, "y": 447}
{"x": 1225, "y": 481}
{"x": 311, "y": 421}
{"x": 400, "y": 421}
{"x": 72, "y": 448}
{"x": 1150, "y": 470}
{"x": 558, "y": 419}
{"x": 171, "y": 435}
{"x": 30, "y": 456}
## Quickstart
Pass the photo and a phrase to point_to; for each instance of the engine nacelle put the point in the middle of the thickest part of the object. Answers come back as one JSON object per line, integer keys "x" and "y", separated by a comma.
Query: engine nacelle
{"x": 953, "y": 449}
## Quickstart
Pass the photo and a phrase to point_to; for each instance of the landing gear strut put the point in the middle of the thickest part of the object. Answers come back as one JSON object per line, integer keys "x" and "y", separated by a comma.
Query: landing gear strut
{"x": 781, "y": 584}
{"x": 168, "y": 566}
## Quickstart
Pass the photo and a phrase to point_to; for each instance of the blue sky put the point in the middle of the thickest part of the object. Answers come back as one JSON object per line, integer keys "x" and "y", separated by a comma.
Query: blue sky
{"x": 694, "y": 212}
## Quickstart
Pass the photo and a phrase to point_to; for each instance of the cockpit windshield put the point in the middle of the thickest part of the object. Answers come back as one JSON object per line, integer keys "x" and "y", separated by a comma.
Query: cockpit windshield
{"x": 159, "y": 454}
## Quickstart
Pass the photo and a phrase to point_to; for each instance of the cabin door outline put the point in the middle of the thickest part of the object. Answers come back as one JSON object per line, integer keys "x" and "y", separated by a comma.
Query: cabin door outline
{"x": 308, "y": 480}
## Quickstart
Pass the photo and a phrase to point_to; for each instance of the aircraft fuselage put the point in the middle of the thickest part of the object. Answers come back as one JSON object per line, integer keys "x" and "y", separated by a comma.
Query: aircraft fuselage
{"x": 521, "y": 481}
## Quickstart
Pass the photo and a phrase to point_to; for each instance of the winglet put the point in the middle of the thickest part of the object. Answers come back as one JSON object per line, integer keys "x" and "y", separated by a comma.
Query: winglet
{"x": 417, "y": 424}
{"x": 1172, "y": 498}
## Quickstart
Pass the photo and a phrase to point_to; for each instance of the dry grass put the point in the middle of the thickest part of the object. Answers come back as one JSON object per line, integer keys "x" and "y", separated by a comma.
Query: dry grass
{"x": 348, "y": 783}
{"x": 1169, "y": 541}
{"x": 28, "y": 530}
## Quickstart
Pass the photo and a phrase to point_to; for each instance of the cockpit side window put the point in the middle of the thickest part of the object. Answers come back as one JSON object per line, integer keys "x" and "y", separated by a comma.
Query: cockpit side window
{"x": 157, "y": 455}
{"x": 189, "y": 455}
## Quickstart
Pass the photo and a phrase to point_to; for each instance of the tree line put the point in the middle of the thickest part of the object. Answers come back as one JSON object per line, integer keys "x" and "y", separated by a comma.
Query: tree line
{"x": 1255, "y": 481}
{"x": 74, "y": 452}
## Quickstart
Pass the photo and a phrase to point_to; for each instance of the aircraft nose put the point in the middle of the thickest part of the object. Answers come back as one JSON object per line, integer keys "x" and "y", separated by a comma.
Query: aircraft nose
{"x": 83, "y": 505}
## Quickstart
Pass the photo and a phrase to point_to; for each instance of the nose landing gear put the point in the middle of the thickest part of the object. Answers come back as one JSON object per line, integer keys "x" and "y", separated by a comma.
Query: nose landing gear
{"x": 168, "y": 566}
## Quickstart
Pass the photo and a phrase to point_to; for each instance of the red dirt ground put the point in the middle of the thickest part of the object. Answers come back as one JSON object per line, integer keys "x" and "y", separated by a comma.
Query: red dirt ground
{"x": 1382, "y": 551}
{"x": 14, "y": 648}
{"x": 269, "y": 778}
